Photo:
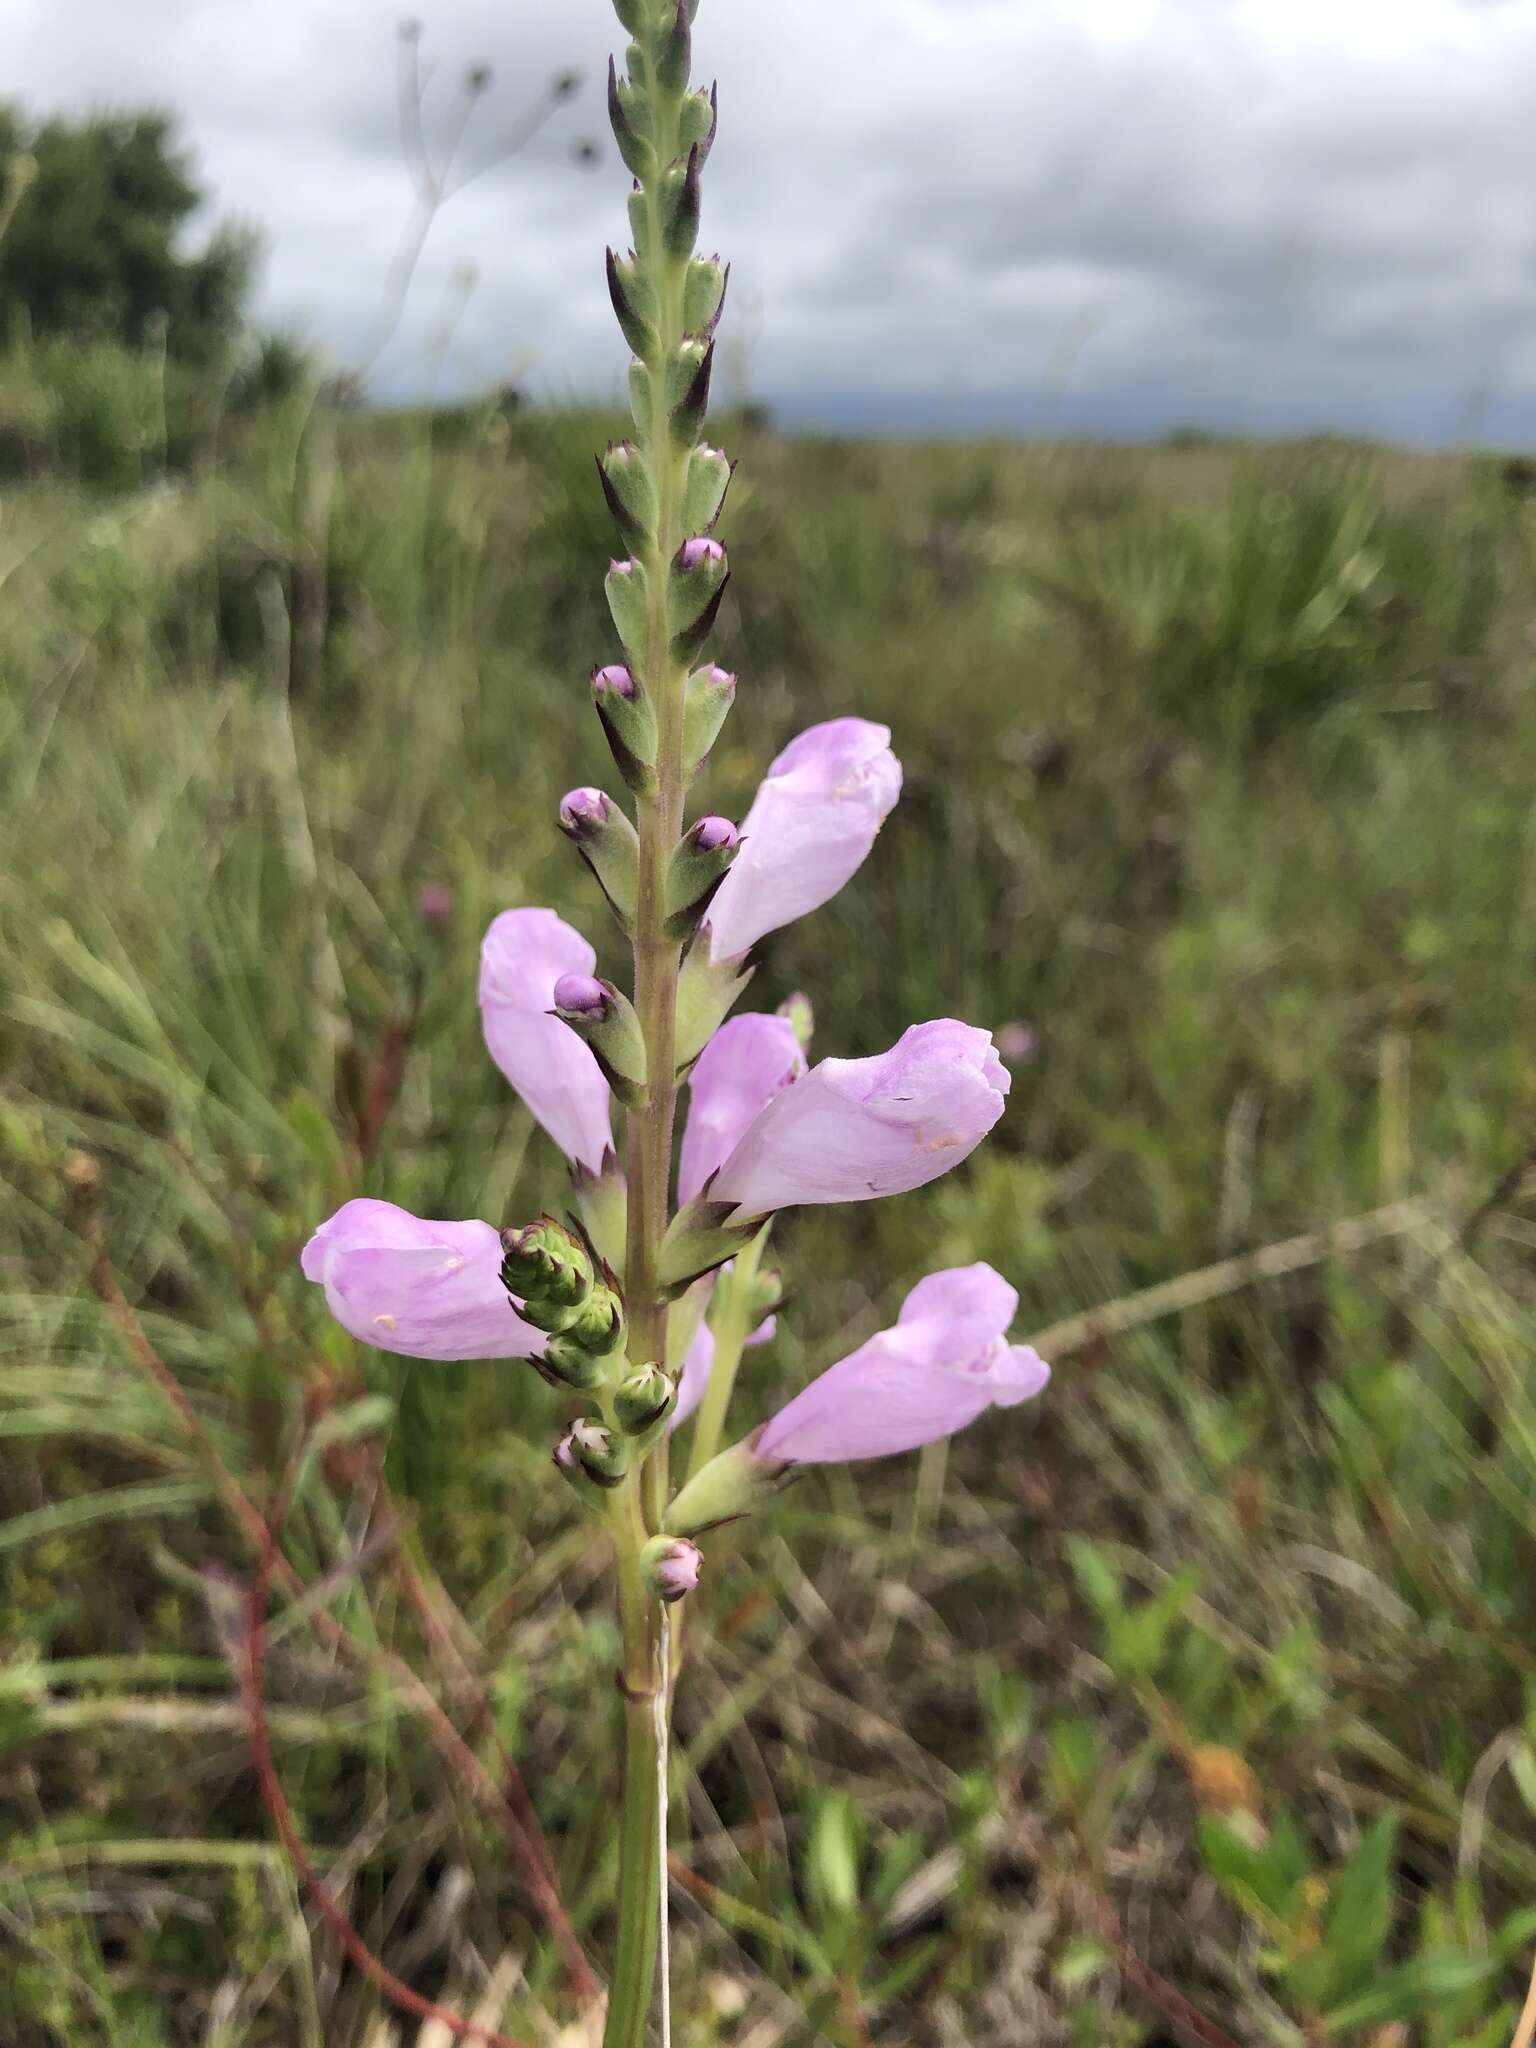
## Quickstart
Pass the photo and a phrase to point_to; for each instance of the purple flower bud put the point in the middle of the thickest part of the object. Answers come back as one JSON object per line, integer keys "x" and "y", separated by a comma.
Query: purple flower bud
{"x": 615, "y": 680}
{"x": 699, "y": 552}
{"x": 583, "y": 810}
{"x": 525, "y": 953}
{"x": 417, "y": 1288}
{"x": 434, "y": 903}
{"x": 671, "y": 1566}
{"x": 709, "y": 834}
{"x": 582, "y": 994}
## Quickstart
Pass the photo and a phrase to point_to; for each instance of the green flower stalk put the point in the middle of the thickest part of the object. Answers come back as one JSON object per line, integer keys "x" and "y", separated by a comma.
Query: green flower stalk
{"x": 641, "y": 1305}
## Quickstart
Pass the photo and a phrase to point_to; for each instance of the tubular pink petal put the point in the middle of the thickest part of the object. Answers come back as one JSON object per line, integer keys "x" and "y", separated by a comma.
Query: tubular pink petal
{"x": 851, "y": 1130}
{"x": 749, "y": 1060}
{"x": 418, "y": 1288}
{"x": 811, "y": 825}
{"x": 524, "y": 954}
{"x": 943, "y": 1365}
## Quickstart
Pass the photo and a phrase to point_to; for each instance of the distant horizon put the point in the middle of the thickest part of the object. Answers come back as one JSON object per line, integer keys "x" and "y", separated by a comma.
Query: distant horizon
{"x": 965, "y": 217}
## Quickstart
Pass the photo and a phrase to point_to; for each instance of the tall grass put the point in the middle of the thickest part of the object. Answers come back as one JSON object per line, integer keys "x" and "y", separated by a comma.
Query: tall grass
{"x": 1213, "y": 1682}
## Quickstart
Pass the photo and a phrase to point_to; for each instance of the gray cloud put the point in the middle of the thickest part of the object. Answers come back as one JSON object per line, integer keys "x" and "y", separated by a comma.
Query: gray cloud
{"x": 968, "y": 213}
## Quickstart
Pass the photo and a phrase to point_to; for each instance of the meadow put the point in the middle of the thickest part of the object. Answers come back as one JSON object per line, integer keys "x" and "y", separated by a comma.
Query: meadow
{"x": 1195, "y": 1702}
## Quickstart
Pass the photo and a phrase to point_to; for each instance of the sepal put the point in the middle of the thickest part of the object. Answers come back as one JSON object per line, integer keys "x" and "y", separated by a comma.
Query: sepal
{"x": 730, "y": 1486}
{"x": 600, "y": 1454}
{"x": 698, "y": 866}
{"x": 707, "y": 700}
{"x": 674, "y": 50}
{"x": 639, "y": 157}
{"x": 704, "y": 489}
{"x": 704, "y": 286}
{"x": 642, "y": 1403}
{"x": 699, "y": 1238}
{"x": 628, "y": 719}
{"x": 605, "y": 837}
{"x": 629, "y": 490}
{"x": 632, "y": 307}
{"x": 707, "y": 992}
{"x": 687, "y": 391}
{"x": 625, "y": 590}
{"x": 697, "y": 122}
{"x": 602, "y": 1202}
{"x": 680, "y": 201}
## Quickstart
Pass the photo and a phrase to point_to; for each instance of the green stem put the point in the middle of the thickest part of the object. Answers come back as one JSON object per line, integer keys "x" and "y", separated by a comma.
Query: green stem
{"x": 629, "y": 1996}
{"x": 640, "y": 1835}
{"x": 643, "y": 1499}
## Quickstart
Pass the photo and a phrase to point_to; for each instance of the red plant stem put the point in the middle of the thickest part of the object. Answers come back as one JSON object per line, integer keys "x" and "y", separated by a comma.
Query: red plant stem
{"x": 1169, "y": 2001}
{"x": 281, "y": 1814}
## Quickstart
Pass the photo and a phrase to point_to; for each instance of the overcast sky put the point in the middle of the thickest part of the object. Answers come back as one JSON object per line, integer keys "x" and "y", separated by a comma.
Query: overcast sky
{"x": 1115, "y": 215}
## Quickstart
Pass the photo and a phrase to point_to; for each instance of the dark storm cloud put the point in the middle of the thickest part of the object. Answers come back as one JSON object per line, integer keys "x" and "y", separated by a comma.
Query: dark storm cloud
{"x": 1263, "y": 213}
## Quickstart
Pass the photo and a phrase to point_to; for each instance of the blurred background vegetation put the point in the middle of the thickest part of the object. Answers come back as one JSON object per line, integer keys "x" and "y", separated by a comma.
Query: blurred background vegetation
{"x": 1203, "y": 1688}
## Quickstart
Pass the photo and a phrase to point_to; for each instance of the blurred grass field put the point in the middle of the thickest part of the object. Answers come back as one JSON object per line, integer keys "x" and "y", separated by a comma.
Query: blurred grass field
{"x": 1210, "y": 1678}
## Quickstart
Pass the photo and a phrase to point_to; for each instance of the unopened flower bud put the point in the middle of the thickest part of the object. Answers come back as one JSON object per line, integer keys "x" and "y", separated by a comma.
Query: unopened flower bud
{"x": 549, "y": 1270}
{"x": 588, "y": 1490}
{"x": 704, "y": 286}
{"x": 695, "y": 585}
{"x": 606, "y": 1019}
{"x": 674, "y": 50}
{"x": 640, "y": 402}
{"x": 578, "y": 1354}
{"x": 629, "y": 490}
{"x": 629, "y": 724}
{"x": 697, "y": 868}
{"x": 595, "y": 1450}
{"x": 687, "y": 390}
{"x": 632, "y": 14}
{"x": 637, "y": 153}
{"x": 644, "y": 1400}
{"x": 625, "y": 588}
{"x": 679, "y": 204}
{"x": 708, "y": 480}
{"x": 698, "y": 119}
{"x": 633, "y": 306}
{"x": 707, "y": 701}
{"x": 670, "y": 1567}
{"x": 605, "y": 837}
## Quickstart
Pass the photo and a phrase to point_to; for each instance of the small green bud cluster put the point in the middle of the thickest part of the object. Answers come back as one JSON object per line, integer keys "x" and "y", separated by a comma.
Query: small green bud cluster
{"x": 562, "y": 1289}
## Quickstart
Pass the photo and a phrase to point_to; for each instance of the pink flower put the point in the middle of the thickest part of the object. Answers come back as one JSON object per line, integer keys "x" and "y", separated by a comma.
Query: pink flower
{"x": 524, "y": 954}
{"x": 747, "y": 1062}
{"x": 420, "y": 1289}
{"x": 947, "y": 1361}
{"x": 810, "y": 827}
{"x": 854, "y": 1129}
